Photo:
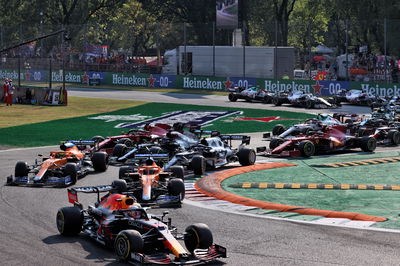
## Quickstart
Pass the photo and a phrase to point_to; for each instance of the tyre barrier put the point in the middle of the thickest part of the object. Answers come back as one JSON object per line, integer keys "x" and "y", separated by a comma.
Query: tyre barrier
{"x": 211, "y": 185}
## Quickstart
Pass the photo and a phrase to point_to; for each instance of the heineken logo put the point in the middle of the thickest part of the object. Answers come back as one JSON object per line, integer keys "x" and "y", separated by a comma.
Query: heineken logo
{"x": 186, "y": 117}
{"x": 132, "y": 80}
{"x": 208, "y": 84}
{"x": 277, "y": 86}
{"x": 381, "y": 91}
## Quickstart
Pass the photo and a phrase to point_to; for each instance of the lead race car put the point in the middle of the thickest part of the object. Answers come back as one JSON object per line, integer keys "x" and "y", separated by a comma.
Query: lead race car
{"x": 61, "y": 168}
{"x": 116, "y": 220}
{"x": 250, "y": 94}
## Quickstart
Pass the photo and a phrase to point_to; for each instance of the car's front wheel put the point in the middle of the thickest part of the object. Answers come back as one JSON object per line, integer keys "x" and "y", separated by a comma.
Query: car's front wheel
{"x": 198, "y": 236}
{"x": 126, "y": 242}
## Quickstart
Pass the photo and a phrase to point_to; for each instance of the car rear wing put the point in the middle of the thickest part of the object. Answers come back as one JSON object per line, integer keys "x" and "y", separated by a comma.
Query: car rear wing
{"x": 81, "y": 142}
{"x": 158, "y": 156}
{"x": 73, "y": 192}
{"x": 201, "y": 132}
{"x": 245, "y": 139}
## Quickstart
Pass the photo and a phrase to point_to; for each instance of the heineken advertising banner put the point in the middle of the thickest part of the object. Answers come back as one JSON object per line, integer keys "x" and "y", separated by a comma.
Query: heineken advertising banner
{"x": 317, "y": 87}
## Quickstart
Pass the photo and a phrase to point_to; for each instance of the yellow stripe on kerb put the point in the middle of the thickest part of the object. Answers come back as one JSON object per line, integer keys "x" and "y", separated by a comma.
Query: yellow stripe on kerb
{"x": 296, "y": 185}
{"x": 246, "y": 185}
{"x": 344, "y": 186}
{"x": 279, "y": 185}
{"x": 362, "y": 186}
{"x": 312, "y": 186}
{"x": 263, "y": 185}
{"x": 378, "y": 187}
{"x": 330, "y": 186}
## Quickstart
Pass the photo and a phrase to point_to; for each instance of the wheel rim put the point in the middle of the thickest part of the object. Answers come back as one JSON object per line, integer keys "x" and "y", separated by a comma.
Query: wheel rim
{"x": 308, "y": 149}
{"x": 122, "y": 247}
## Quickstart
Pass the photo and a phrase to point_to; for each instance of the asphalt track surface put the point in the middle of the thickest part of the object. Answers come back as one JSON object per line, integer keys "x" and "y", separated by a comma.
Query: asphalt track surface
{"x": 29, "y": 235}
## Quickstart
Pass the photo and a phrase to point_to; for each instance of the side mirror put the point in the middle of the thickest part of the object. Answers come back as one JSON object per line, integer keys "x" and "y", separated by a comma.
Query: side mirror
{"x": 40, "y": 155}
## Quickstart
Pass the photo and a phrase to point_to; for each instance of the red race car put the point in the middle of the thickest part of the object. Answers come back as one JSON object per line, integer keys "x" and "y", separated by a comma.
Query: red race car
{"x": 328, "y": 138}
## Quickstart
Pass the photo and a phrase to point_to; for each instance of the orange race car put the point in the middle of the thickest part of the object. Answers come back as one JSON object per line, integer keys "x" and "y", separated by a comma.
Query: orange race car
{"x": 61, "y": 168}
{"x": 151, "y": 184}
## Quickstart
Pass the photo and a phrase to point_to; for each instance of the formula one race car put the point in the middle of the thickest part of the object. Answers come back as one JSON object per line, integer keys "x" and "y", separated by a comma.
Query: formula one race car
{"x": 357, "y": 97}
{"x": 250, "y": 94}
{"x": 149, "y": 133}
{"x": 61, "y": 168}
{"x": 150, "y": 184}
{"x": 329, "y": 138}
{"x": 189, "y": 151}
{"x": 307, "y": 100}
{"x": 213, "y": 152}
{"x": 116, "y": 220}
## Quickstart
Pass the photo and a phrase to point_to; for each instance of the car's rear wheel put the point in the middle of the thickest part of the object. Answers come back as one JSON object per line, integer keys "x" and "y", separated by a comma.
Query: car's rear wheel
{"x": 276, "y": 102}
{"x": 309, "y": 104}
{"x": 126, "y": 141}
{"x": 198, "y": 164}
{"x": 100, "y": 161}
{"x": 119, "y": 150}
{"x": 232, "y": 97}
{"x": 246, "y": 156}
{"x": 394, "y": 137}
{"x": 368, "y": 144}
{"x": 98, "y": 139}
{"x": 278, "y": 129}
{"x": 71, "y": 170}
{"x": 307, "y": 148}
{"x": 21, "y": 169}
{"x": 126, "y": 242}
{"x": 275, "y": 143}
{"x": 178, "y": 171}
{"x": 69, "y": 221}
{"x": 198, "y": 236}
{"x": 176, "y": 187}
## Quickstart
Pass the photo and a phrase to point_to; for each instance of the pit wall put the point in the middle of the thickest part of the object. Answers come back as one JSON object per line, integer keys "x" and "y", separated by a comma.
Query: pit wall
{"x": 322, "y": 87}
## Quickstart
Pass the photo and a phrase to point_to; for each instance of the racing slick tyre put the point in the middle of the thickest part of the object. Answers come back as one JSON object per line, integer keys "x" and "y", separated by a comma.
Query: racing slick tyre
{"x": 276, "y": 102}
{"x": 126, "y": 242}
{"x": 267, "y": 99}
{"x": 246, "y": 156}
{"x": 394, "y": 137}
{"x": 69, "y": 221}
{"x": 124, "y": 170}
{"x": 197, "y": 236}
{"x": 176, "y": 187}
{"x": 278, "y": 129}
{"x": 275, "y": 143}
{"x": 178, "y": 171}
{"x": 232, "y": 97}
{"x": 21, "y": 169}
{"x": 198, "y": 164}
{"x": 119, "y": 150}
{"x": 98, "y": 139}
{"x": 119, "y": 186}
{"x": 100, "y": 161}
{"x": 309, "y": 104}
{"x": 307, "y": 148}
{"x": 126, "y": 141}
{"x": 70, "y": 170}
{"x": 368, "y": 144}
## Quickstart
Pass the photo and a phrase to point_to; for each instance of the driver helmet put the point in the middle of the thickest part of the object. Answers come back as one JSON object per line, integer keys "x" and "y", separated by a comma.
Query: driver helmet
{"x": 149, "y": 162}
{"x": 119, "y": 186}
